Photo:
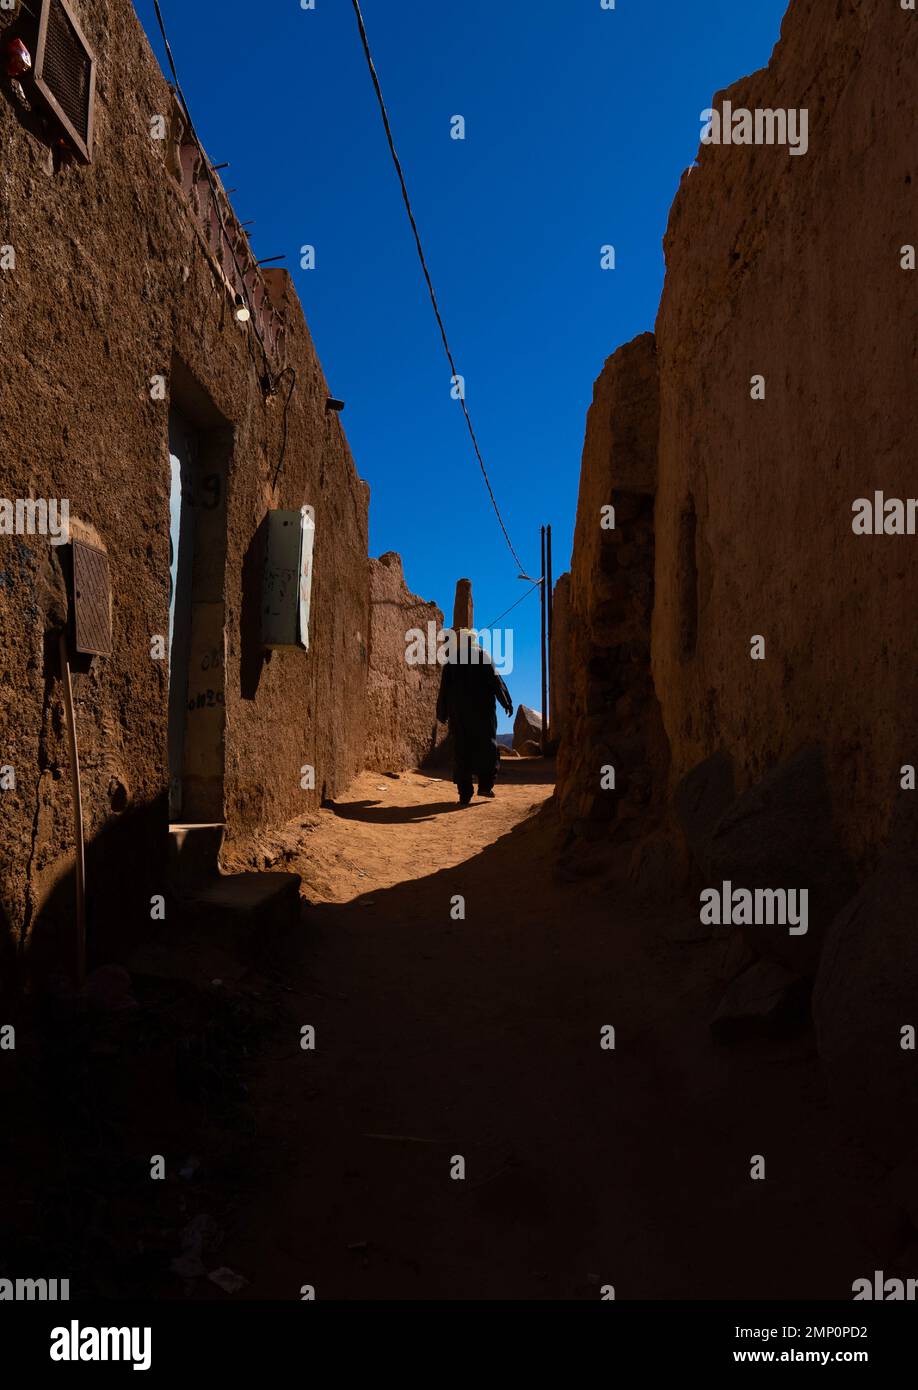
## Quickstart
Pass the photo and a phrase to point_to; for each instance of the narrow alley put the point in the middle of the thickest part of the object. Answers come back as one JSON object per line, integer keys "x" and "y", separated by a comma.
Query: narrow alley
{"x": 434, "y": 1037}
{"x": 458, "y": 745}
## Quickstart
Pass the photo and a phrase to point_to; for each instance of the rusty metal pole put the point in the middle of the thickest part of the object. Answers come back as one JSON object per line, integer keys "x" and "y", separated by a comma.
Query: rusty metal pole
{"x": 544, "y": 654}
{"x": 550, "y": 601}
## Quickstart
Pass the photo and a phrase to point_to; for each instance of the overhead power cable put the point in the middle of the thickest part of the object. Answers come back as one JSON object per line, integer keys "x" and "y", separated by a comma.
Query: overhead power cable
{"x": 433, "y": 298}
{"x": 496, "y": 620}
{"x": 211, "y": 184}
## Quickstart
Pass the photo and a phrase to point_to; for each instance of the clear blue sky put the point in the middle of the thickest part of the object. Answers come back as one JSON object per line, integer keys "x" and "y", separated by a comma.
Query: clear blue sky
{"x": 579, "y": 123}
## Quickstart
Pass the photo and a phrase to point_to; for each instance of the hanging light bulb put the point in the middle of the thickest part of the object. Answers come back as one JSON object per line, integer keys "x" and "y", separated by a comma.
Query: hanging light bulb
{"x": 242, "y": 311}
{"x": 18, "y": 58}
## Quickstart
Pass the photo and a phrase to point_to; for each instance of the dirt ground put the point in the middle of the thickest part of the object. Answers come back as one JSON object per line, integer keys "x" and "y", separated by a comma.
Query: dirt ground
{"x": 438, "y": 1035}
{"x": 479, "y": 1036}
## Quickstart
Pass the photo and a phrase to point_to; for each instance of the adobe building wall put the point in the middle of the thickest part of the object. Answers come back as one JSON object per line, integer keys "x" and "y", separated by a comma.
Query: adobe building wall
{"x": 114, "y": 285}
{"x": 785, "y": 361}
{"x": 612, "y": 726}
{"x": 791, "y": 268}
{"x": 402, "y": 729}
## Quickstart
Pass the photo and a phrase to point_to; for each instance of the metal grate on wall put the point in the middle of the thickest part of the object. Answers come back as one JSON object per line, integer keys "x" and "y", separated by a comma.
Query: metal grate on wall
{"x": 91, "y": 600}
{"x": 65, "y": 72}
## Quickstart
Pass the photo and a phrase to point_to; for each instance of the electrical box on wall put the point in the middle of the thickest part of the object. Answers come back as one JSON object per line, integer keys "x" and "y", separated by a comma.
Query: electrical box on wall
{"x": 288, "y": 578}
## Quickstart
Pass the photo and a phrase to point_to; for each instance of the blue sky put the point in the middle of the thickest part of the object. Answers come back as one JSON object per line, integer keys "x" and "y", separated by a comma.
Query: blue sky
{"x": 579, "y": 123}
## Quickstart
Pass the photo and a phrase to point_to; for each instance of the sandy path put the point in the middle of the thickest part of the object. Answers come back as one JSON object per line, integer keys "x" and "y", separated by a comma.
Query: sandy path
{"x": 387, "y": 831}
{"x": 480, "y": 1037}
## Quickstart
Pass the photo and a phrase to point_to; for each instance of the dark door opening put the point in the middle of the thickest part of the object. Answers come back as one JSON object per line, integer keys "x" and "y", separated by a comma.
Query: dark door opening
{"x": 197, "y": 713}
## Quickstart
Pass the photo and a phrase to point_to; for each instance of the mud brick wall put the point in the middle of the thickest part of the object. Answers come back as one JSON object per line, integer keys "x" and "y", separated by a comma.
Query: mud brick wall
{"x": 115, "y": 283}
{"x": 786, "y": 350}
{"x": 402, "y": 729}
{"x": 791, "y": 268}
{"x": 612, "y": 717}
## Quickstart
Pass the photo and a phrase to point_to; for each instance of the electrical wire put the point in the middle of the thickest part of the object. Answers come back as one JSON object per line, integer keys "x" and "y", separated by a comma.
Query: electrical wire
{"x": 210, "y": 180}
{"x": 495, "y": 621}
{"x": 272, "y": 380}
{"x": 277, "y": 381}
{"x": 433, "y": 298}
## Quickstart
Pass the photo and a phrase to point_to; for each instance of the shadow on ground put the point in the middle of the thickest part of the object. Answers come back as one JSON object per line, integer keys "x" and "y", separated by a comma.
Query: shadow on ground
{"x": 440, "y": 1037}
{"x": 372, "y": 812}
{"x": 458, "y": 1016}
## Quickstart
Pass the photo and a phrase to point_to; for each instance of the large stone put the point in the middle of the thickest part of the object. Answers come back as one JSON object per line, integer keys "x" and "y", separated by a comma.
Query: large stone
{"x": 527, "y": 728}
{"x": 766, "y": 1000}
{"x": 702, "y": 797}
{"x": 866, "y": 994}
{"x": 780, "y": 834}
{"x": 657, "y": 868}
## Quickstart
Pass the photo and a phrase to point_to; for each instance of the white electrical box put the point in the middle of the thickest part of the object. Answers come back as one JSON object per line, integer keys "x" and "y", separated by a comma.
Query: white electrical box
{"x": 288, "y": 579}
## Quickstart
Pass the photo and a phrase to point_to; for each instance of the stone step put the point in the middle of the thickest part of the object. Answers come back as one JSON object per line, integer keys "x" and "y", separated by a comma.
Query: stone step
{"x": 240, "y": 912}
{"x": 254, "y": 903}
{"x": 194, "y": 854}
{"x": 220, "y": 927}
{"x": 244, "y": 912}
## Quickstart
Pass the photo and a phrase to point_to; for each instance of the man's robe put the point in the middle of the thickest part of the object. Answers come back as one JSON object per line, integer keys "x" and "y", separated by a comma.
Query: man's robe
{"x": 469, "y": 692}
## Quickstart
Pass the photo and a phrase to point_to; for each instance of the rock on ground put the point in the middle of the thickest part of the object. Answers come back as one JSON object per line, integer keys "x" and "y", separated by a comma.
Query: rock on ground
{"x": 866, "y": 994}
{"x": 765, "y": 1000}
{"x": 780, "y": 834}
{"x": 527, "y": 728}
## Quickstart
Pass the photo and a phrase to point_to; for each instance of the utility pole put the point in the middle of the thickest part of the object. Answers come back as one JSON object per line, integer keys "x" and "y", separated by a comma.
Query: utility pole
{"x": 544, "y": 652}
{"x": 550, "y": 598}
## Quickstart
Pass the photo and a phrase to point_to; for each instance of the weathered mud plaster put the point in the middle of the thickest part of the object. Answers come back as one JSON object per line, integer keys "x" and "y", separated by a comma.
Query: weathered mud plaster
{"x": 612, "y": 760}
{"x": 113, "y": 285}
{"x": 402, "y": 729}
{"x": 790, "y": 269}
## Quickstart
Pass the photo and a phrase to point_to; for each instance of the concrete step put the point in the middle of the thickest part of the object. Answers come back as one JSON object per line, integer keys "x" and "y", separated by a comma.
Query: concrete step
{"x": 240, "y": 912}
{"x": 271, "y": 898}
{"x": 221, "y": 927}
{"x": 243, "y": 911}
{"x": 194, "y": 854}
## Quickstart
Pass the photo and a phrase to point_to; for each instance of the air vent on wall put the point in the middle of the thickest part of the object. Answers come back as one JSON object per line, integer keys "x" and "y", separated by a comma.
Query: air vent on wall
{"x": 65, "y": 72}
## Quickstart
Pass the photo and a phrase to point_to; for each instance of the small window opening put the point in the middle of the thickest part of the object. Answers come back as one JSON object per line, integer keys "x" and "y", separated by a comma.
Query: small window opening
{"x": 65, "y": 73}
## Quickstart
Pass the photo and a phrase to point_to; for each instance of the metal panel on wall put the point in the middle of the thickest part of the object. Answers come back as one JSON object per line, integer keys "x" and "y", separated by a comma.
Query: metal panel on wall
{"x": 287, "y": 594}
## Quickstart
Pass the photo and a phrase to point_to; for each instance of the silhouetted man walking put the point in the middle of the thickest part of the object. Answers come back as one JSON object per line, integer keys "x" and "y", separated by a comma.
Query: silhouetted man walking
{"x": 469, "y": 691}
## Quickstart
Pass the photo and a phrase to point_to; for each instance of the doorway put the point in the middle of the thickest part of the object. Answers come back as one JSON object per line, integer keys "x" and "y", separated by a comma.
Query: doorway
{"x": 198, "y": 459}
